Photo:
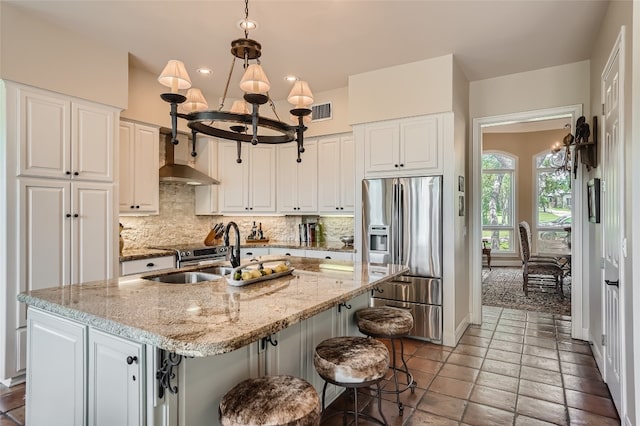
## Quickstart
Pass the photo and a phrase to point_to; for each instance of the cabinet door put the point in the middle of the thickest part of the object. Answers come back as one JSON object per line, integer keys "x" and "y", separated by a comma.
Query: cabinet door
{"x": 381, "y": 147}
{"x": 45, "y": 232}
{"x": 347, "y": 181}
{"x": 44, "y": 123}
{"x": 262, "y": 179}
{"x": 146, "y": 152}
{"x": 92, "y": 234}
{"x": 287, "y": 178}
{"x": 92, "y": 135}
{"x": 329, "y": 175}
{"x": 289, "y": 356}
{"x": 115, "y": 381}
{"x": 349, "y": 324}
{"x": 233, "y": 178}
{"x": 320, "y": 327}
{"x": 125, "y": 167}
{"x": 419, "y": 143}
{"x": 207, "y": 163}
{"x": 55, "y": 370}
{"x": 307, "y": 178}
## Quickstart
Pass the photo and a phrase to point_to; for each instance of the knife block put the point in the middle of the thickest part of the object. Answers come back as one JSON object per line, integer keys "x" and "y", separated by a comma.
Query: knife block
{"x": 211, "y": 239}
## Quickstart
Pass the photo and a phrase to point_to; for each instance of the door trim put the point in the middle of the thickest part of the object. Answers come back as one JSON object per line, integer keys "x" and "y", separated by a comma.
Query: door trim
{"x": 475, "y": 240}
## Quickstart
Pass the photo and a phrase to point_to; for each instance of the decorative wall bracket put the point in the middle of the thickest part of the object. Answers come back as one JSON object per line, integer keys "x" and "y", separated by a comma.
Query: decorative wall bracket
{"x": 165, "y": 373}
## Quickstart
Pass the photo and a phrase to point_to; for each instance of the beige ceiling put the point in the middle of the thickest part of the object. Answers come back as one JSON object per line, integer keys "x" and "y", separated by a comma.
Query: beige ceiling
{"x": 325, "y": 41}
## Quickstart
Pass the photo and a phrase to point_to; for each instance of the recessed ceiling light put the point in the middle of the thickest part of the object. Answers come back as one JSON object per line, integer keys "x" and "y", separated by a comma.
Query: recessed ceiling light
{"x": 204, "y": 71}
{"x": 290, "y": 78}
{"x": 247, "y": 25}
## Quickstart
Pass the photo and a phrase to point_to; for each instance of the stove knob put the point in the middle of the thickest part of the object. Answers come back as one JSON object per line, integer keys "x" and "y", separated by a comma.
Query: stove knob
{"x": 183, "y": 254}
{"x": 188, "y": 253}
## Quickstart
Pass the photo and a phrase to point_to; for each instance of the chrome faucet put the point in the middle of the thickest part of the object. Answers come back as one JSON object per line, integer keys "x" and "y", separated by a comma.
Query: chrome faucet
{"x": 234, "y": 254}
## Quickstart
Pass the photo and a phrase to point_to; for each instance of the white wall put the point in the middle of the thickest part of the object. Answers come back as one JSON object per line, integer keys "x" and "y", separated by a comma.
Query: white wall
{"x": 544, "y": 88}
{"x": 408, "y": 90}
{"x": 34, "y": 52}
{"x": 618, "y": 14}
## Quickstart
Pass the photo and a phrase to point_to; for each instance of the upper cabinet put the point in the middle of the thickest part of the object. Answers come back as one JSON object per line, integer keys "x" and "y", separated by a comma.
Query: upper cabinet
{"x": 62, "y": 137}
{"x": 403, "y": 147}
{"x": 298, "y": 182}
{"x": 207, "y": 163}
{"x": 249, "y": 186}
{"x": 139, "y": 162}
{"x": 336, "y": 171}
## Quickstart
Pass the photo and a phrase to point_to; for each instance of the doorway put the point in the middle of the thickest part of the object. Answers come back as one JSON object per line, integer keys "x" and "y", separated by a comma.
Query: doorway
{"x": 571, "y": 114}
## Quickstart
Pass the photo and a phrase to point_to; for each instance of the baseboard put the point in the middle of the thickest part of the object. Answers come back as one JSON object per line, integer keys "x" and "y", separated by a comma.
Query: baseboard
{"x": 627, "y": 421}
{"x": 462, "y": 327}
{"x": 14, "y": 380}
{"x": 585, "y": 335}
{"x": 597, "y": 355}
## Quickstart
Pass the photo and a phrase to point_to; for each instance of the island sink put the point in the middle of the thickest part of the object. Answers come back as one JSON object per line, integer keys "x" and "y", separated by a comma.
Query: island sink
{"x": 184, "y": 277}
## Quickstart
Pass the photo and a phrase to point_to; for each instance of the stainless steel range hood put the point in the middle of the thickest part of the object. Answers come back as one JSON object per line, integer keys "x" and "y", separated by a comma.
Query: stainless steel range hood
{"x": 177, "y": 170}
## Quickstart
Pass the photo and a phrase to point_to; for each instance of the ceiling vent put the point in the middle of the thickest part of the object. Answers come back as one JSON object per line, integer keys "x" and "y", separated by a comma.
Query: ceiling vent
{"x": 321, "y": 112}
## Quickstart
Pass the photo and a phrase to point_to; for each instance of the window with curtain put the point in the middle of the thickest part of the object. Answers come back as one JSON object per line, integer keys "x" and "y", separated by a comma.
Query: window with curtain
{"x": 498, "y": 201}
{"x": 552, "y": 209}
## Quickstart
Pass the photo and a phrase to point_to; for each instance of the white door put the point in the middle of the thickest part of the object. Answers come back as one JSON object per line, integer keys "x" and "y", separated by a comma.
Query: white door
{"x": 287, "y": 175}
{"x": 145, "y": 172}
{"x": 347, "y": 184}
{"x": 262, "y": 178}
{"x": 307, "y": 178}
{"x": 115, "y": 382}
{"x": 233, "y": 178}
{"x": 329, "y": 174}
{"x": 92, "y": 142}
{"x": 612, "y": 218}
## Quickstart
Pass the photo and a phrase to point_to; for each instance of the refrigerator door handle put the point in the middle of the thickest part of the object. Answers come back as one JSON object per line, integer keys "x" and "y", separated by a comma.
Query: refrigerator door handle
{"x": 393, "y": 235}
{"x": 401, "y": 235}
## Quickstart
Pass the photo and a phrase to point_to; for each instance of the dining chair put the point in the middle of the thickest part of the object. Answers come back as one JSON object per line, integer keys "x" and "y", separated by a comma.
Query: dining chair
{"x": 541, "y": 270}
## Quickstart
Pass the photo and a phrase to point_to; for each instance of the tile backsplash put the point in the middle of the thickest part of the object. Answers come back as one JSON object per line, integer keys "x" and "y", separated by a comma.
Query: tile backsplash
{"x": 177, "y": 222}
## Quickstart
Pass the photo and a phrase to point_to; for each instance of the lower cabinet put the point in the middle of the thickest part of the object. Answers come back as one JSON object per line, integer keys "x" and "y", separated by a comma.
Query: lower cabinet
{"x": 115, "y": 380}
{"x": 151, "y": 264}
{"x": 78, "y": 375}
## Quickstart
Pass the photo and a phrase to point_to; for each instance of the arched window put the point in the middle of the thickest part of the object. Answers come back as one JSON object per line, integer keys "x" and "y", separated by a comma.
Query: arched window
{"x": 498, "y": 201}
{"x": 552, "y": 207}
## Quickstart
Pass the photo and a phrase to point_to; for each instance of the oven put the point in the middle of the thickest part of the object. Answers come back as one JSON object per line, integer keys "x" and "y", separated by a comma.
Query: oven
{"x": 196, "y": 254}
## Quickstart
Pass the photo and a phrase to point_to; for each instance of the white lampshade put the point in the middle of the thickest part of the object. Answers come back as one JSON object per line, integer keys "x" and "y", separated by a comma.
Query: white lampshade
{"x": 175, "y": 76}
{"x": 240, "y": 107}
{"x": 195, "y": 101}
{"x": 300, "y": 94}
{"x": 255, "y": 80}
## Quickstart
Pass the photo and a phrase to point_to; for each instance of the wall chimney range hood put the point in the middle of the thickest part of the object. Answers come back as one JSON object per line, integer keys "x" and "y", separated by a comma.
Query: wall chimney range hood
{"x": 176, "y": 168}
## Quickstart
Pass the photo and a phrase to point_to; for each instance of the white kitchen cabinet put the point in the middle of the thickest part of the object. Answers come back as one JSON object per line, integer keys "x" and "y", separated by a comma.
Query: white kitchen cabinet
{"x": 253, "y": 251}
{"x": 282, "y": 251}
{"x": 115, "y": 380}
{"x": 63, "y": 137}
{"x": 298, "y": 182}
{"x": 56, "y": 376}
{"x": 328, "y": 254}
{"x": 66, "y": 234}
{"x": 207, "y": 163}
{"x": 290, "y": 354}
{"x": 139, "y": 164}
{"x": 404, "y": 147}
{"x": 151, "y": 264}
{"x": 250, "y": 186}
{"x": 336, "y": 171}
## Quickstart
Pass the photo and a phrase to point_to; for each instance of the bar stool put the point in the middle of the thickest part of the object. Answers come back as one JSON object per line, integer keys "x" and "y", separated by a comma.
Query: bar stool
{"x": 352, "y": 362}
{"x": 393, "y": 324}
{"x": 271, "y": 400}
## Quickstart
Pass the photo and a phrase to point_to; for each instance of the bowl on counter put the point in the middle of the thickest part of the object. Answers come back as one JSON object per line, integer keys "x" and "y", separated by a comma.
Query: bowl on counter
{"x": 347, "y": 240}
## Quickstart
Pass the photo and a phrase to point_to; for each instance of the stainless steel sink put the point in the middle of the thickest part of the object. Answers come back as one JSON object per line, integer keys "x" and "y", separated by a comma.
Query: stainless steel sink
{"x": 217, "y": 270}
{"x": 184, "y": 277}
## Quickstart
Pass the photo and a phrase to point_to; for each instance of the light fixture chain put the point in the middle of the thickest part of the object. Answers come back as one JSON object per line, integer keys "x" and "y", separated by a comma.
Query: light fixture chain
{"x": 273, "y": 107}
{"x": 226, "y": 87}
{"x": 246, "y": 18}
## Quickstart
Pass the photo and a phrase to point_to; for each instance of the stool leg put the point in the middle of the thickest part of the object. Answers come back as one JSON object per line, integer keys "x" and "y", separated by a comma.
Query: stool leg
{"x": 324, "y": 392}
{"x": 395, "y": 376}
{"x": 410, "y": 382}
{"x": 380, "y": 405}
{"x": 355, "y": 404}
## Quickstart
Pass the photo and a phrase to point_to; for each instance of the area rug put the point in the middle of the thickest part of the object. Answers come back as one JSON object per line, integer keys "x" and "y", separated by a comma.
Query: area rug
{"x": 503, "y": 287}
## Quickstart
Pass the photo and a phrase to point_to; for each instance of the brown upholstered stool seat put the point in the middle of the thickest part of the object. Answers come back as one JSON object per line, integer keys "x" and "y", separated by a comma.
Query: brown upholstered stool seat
{"x": 393, "y": 324}
{"x": 271, "y": 400}
{"x": 353, "y": 362}
{"x": 384, "y": 321}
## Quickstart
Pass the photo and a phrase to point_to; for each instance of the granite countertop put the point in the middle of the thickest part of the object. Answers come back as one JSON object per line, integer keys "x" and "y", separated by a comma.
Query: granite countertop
{"x": 145, "y": 253}
{"x": 213, "y": 317}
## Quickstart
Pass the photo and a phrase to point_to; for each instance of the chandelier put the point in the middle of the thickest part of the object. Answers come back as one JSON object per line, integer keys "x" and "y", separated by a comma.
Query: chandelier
{"x": 242, "y": 123}
{"x": 562, "y": 151}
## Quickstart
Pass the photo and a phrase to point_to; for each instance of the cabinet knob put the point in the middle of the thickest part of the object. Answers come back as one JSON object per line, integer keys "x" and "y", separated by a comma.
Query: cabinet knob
{"x": 75, "y": 215}
{"x": 133, "y": 207}
{"x": 76, "y": 173}
{"x": 246, "y": 208}
{"x": 150, "y": 265}
{"x": 341, "y": 208}
{"x": 250, "y": 208}
{"x": 395, "y": 165}
{"x": 132, "y": 359}
{"x": 287, "y": 254}
{"x": 68, "y": 215}
{"x": 327, "y": 257}
{"x": 337, "y": 208}
{"x": 137, "y": 207}
{"x": 68, "y": 172}
{"x": 401, "y": 165}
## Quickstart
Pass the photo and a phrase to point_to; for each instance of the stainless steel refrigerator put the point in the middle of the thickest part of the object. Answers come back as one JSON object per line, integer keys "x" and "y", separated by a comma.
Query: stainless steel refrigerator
{"x": 402, "y": 224}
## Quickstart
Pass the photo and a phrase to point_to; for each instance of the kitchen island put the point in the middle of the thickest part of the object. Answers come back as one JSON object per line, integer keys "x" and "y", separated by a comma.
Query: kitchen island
{"x": 143, "y": 352}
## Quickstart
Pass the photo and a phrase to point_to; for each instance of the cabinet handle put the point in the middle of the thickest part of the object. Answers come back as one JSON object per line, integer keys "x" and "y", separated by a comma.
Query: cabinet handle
{"x": 132, "y": 359}
{"x": 150, "y": 265}
{"x": 76, "y": 173}
{"x": 68, "y": 215}
{"x": 287, "y": 254}
{"x": 249, "y": 253}
{"x": 611, "y": 282}
{"x": 327, "y": 257}
{"x": 75, "y": 215}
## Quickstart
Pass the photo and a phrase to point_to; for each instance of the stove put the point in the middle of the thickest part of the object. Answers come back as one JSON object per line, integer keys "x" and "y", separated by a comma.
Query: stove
{"x": 195, "y": 254}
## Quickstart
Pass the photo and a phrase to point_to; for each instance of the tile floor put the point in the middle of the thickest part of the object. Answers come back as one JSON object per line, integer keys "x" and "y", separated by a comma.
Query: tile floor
{"x": 517, "y": 368}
